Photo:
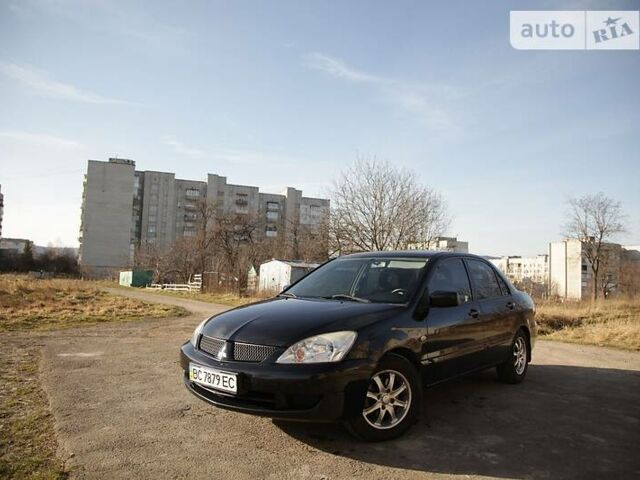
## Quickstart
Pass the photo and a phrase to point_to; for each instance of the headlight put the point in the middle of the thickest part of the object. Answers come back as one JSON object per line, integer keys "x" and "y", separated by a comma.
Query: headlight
{"x": 329, "y": 347}
{"x": 197, "y": 332}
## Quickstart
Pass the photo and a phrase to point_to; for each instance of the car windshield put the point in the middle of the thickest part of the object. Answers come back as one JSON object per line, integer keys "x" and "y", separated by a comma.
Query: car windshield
{"x": 385, "y": 280}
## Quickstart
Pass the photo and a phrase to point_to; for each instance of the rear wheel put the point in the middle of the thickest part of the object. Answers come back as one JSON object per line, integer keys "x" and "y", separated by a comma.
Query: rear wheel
{"x": 515, "y": 368}
{"x": 391, "y": 403}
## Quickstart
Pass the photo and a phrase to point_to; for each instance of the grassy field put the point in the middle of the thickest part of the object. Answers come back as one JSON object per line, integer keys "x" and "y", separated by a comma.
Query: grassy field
{"x": 27, "y": 304}
{"x": 231, "y": 299}
{"x": 613, "y": 323}
{"x": 27, "y": 439}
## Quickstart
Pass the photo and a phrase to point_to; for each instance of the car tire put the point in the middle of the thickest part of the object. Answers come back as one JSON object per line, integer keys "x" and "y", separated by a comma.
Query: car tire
{"x": 515, "y": 368}
{"x": 391, "y": 403}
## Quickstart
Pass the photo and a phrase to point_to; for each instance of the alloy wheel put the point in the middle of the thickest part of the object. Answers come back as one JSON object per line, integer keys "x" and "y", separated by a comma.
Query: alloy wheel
{"x": 520, "y": 355}
{"x": 388, "y": 399}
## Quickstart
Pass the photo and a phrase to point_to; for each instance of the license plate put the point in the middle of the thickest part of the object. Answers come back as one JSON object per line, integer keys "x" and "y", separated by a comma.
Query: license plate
{"x": 212, "y": 378}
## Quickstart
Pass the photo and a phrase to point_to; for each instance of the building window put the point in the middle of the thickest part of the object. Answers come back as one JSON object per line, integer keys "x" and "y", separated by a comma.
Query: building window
{"x": 272, "y": 215}
{"x": 192, "y": 192}
{"x": 271, "y": 231}
{"x": 273, "y": 206}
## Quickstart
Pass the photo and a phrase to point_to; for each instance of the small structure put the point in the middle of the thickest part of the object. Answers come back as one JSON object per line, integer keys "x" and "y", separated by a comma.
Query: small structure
{"x": 252, "y": 280}
{"x": 276, "y": 274}
{"x": 136, "y": 278}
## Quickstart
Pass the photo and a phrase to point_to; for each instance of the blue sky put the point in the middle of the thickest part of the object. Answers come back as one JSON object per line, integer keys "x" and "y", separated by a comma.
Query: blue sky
{"x": 288, "y": 93}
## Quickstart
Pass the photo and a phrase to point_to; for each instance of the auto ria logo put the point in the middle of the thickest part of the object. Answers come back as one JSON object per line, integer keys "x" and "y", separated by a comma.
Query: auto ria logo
{"x": 575, "y": 30}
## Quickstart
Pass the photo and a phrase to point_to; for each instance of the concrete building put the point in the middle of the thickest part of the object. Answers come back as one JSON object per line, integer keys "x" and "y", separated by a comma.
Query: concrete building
{"x": 123, "y": 208}
{"x": 524, "y": 269}
{"x": 277, "y": 274}
{"x": 1, "y": 209}
{"x": 570, "y": 274}
{"x": 443, "y": 244}
{"x": 14, "y": 246}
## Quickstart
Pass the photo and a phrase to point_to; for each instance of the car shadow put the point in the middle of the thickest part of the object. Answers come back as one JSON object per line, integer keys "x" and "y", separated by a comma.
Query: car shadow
{"x": 562, "y": 422}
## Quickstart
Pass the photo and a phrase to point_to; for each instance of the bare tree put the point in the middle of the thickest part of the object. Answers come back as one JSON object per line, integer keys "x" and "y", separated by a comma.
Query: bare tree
{"x": 306, "y": 242}
{"x": 594, "y": 220}
{"x": 236, "y": 244}
{"x": 376, "y": 206}
{"x": 204, "y": 242}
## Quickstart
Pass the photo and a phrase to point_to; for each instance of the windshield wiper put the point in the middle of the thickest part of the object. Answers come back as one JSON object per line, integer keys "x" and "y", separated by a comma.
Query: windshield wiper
{"x": 344, "y": 296}
{"x": 287, "y": 295}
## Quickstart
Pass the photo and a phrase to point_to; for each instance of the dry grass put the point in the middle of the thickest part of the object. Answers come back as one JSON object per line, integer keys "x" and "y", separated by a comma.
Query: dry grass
{"x": 31, "y": 304}
{"x": 27, "y": 439}
{"x": 612, "y": 323}
{"x": 222, "y": 298}
{"x": 231, "y": 299}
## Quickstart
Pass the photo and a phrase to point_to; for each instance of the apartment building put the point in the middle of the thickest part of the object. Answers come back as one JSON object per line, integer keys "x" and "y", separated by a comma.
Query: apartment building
{"x": 524, "y": 269}
{"x": 442, "y": 244}
{"x": 570, "y": 274}
{"x": 123, "y": 207}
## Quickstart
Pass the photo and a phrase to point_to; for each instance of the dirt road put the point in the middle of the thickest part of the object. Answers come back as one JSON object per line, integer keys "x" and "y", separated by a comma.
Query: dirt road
{"x": 122, "y": 412}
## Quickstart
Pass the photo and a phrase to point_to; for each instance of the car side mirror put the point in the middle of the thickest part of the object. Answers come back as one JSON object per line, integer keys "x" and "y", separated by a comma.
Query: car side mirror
{"x": 444, "y": 299}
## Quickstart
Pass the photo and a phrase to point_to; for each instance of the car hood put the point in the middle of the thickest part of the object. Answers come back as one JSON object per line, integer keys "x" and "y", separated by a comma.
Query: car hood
{"x": 283, "y": 321}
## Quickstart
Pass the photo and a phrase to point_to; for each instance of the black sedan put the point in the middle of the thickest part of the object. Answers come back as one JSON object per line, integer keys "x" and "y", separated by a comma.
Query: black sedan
{"x": 356, "y": 339}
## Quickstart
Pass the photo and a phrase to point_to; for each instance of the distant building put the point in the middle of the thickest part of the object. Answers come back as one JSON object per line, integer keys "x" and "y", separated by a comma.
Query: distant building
{"x": 524, "y": 269}
{"x": 443, "y": 244}
{"x": 123, "y": 208}
{"x": 570, "y": 274}
{"x": 277, "y": 274}
{"x": 14, "y": 246}
{"x": 1, "y": 209}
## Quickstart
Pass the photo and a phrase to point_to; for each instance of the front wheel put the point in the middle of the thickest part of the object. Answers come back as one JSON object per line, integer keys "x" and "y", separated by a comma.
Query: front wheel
{"x": 391, "y": 403}
{"x": 514, "y": 369}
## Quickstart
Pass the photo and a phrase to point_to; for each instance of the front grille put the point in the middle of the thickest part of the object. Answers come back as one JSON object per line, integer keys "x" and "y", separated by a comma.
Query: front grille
{"x": 242, "y": 352}
{"x": 247, "y": 352}
{"x": 211, "y": 345}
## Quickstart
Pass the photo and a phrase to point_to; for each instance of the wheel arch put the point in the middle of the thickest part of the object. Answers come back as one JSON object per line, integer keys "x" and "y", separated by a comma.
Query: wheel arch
{"x": 407, "y": 354}
{"x": 527, "y": 335}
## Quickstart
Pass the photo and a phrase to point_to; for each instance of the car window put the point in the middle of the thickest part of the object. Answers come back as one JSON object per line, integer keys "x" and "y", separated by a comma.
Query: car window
{"x": 387, "y": 280}
{"x": 451, "y": 276}
{"x": 503, "y": 286}
{"x": 483, "y": 280}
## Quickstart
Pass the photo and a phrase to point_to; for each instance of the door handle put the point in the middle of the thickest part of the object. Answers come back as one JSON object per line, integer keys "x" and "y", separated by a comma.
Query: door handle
{"x": 511, "y": 305}
{"x": 474, "y": 313}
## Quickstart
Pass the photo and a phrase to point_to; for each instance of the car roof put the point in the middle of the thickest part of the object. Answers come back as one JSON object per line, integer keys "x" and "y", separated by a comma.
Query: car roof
{"x": 409, "y": 254}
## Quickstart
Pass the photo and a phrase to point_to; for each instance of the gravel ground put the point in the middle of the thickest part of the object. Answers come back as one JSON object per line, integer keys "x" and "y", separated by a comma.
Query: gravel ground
{"x": 122, "y": 411}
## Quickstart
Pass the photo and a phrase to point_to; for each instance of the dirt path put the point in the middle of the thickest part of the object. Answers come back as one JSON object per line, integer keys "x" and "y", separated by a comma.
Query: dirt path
{"x": 122, "y": 412}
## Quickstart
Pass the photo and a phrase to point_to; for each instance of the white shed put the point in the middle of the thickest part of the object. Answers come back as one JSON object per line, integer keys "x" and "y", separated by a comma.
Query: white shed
{"x": 276, "y": 274}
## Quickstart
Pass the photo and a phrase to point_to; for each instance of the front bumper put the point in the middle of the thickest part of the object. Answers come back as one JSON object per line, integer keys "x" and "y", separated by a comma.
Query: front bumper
{"x": 320, "y": 392}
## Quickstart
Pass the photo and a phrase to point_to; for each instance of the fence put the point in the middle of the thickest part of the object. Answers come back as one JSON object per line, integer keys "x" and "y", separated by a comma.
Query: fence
{"x": 194, "y": 285}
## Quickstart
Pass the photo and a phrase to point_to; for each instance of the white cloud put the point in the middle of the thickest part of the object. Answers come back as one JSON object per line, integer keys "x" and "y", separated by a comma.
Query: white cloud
{"x": 415, "y": 98}
{"x": 39, "y": 81}
{"x": 182, "y": 149}
{"x": 40, "y": 139}
{"x": 339, "y": 69}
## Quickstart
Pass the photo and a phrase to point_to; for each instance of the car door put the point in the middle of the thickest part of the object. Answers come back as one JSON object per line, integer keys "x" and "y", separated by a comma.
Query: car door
{"x": 495, "y": 308}
{"x": 452, "y": 334}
